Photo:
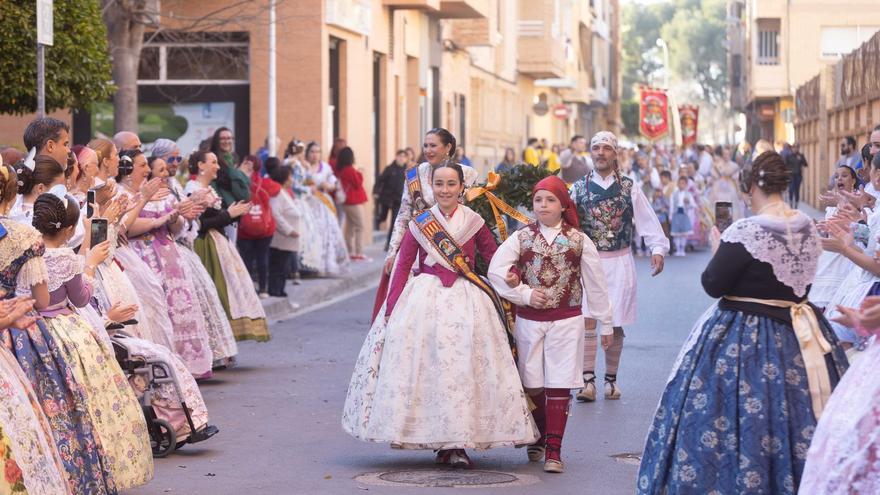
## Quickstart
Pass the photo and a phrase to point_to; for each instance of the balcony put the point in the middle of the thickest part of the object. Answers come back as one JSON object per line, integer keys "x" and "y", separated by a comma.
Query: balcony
{"x": 427, "y": 5}
{"x": 463, "y": 9}
{"x": 444, "y": 9}
{"x": 540, "y": 45}
{"x": 767, "y": 81}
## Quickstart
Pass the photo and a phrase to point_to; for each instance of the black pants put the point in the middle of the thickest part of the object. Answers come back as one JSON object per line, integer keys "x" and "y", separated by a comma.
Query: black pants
{"x": 382, "y": 213}
{"x": 794, "y": 189}
{"x": 255, "y": 254}
{"x": 281, "y": 265}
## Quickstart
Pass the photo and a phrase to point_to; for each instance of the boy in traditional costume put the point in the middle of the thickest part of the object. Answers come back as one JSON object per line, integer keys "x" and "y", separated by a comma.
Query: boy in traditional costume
{"x": 557, "y": 264}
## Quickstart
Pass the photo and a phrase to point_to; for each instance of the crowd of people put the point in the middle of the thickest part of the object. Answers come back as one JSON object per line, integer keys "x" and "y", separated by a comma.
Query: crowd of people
{"x": 110, "y": 255}
{"x": 113, "y": 258}
{"x": 771, "y": 392}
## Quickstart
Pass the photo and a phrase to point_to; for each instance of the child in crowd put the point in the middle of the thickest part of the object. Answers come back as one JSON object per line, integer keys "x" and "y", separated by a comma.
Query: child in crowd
{"x": 557, "y": 263}
{"x": 682, "y": 204}
{"x": 660, "y": 202}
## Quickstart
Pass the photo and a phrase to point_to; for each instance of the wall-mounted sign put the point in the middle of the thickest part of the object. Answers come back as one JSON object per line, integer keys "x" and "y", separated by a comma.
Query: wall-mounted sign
{"x": 354, "y": 15}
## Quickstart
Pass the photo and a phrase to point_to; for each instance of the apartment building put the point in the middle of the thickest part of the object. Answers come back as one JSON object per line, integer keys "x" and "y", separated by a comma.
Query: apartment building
{"x": 774, "y": 46}
{"x": 378, "y": 73}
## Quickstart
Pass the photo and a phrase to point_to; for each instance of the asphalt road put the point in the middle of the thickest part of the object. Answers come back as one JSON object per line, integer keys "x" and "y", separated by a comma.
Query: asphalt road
{"x": 279, "y": 410}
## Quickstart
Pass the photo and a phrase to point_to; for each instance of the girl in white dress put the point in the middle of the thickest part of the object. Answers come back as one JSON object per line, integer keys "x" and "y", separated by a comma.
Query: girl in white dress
{"x": 436, "y": 371}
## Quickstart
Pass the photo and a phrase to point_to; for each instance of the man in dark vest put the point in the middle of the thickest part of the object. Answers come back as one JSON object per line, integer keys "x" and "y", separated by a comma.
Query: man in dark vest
{"x": 612, "y": 213}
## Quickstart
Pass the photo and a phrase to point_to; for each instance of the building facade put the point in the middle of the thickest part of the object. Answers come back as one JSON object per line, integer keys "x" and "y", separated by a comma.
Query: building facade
{"x": 378, "y": 73}
{"x": 777, "y": 45}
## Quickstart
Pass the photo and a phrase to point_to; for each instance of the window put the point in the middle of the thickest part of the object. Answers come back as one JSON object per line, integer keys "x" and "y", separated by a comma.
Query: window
{"x": 768, "y": 42}
{"x": 183, "y": 57}
{"x": 736, "y": 70}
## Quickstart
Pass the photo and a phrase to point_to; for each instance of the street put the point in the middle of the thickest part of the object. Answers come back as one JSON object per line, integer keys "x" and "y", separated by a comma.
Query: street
{"x": 279, "y": 410}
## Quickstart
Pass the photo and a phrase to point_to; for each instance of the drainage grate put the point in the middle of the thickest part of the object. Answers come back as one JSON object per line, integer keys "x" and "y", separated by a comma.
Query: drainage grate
{"x": 628, "y": 458}
{"x": 446, "y": 478}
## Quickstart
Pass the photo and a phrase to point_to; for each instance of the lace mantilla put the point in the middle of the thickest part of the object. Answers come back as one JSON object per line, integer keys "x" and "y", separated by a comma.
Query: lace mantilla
{"x": 791, "y": 247}
{"x": 19, "y": 238}
{"x": 63, "y": 264}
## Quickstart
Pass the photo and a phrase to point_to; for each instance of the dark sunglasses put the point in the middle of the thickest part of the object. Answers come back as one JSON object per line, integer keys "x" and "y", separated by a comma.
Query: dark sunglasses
{"x": 174, "y": 159}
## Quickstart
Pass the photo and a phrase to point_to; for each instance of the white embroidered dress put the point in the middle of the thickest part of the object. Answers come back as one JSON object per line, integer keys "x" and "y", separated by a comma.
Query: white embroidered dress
{"x": 439, "y": 374}
{"x": 833, "y": 269}
{"x": 844, "y": 456}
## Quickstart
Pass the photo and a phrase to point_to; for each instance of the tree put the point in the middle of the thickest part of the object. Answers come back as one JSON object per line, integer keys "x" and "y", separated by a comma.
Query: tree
{"x": 641, "y": 27}
{"x": 697, "y": 38}
{"x": 77, "y": 64}
{"x": 126, "y": 21}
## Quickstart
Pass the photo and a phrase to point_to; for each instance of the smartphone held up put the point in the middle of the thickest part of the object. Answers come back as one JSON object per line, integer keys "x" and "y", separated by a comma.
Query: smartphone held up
{"x": 723, "y": 215}
{"x": 98, "y": 233}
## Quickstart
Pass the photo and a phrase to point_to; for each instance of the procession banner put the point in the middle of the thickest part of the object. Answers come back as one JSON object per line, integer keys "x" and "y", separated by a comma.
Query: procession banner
{"x": 653, "y": 113}
{"x": 689, "y": 116}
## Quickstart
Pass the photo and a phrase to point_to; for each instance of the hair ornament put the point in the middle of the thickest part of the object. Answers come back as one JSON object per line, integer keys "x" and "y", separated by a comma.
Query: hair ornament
{"x": 29, "y": 159}
{"x": 56, "y": 224}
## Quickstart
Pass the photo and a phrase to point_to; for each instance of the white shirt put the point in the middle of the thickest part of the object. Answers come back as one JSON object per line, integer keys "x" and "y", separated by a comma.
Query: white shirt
{"x": 705, "y": 164}
{"x": 647, "y": 224}
{"x": 592, "y": 276}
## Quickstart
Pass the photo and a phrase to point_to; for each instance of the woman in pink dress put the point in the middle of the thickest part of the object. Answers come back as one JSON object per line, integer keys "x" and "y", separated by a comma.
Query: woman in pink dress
{"x": 151, "y": 236}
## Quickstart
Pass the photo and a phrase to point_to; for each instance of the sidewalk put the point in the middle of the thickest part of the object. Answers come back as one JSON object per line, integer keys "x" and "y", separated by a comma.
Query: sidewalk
{"x": 315, "y": 293}
{"x": 812, "y": 212}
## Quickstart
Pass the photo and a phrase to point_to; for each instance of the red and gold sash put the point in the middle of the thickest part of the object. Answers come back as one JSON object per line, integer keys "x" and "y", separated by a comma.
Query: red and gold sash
{"x": 445, "y": 246}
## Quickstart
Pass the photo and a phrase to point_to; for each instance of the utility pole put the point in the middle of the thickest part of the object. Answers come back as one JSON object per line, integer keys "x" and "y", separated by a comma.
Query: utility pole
{"x": 45, "y": 37}
{"x": 273, "y": 131}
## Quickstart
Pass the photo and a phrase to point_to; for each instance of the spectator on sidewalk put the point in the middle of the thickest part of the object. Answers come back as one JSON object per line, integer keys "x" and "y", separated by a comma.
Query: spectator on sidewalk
{"x": 231, "y": 184}
{"x": 388, "y": 190}
{"x": 549, "y": 158}
{"x": 47, "y": 136}
{"x": 796, "y": 162}
{"x": 849, "y": 155}
{"x": 507, "y": 164}
{"x": 338, "y": 145}
{"x": 127, "y": 140}
{"x": 352, "y": 183}
{"x": 461, "y": 158}
{"x": 530, "y": 154}
{"x": 257, "y": 226}
{"x": 574, "y": 160}
{"x": 288, "y": 217}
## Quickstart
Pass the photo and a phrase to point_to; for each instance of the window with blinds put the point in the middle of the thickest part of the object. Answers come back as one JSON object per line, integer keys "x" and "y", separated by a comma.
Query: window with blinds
{"x": 768, "y": 43}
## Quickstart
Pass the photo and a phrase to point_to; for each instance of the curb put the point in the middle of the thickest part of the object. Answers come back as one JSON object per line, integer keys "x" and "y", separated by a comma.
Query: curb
{"x": 312, "y": 292}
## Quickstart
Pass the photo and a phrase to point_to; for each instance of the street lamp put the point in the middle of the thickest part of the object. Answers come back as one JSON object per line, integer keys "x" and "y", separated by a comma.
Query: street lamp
{"x": 673, "y": 107}
{"x": 662, "y": 44}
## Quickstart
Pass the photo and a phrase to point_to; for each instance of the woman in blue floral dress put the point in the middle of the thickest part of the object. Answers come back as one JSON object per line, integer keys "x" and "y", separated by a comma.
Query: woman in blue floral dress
{"x": 745, "y": 393}
{"x": 62, "y": 399}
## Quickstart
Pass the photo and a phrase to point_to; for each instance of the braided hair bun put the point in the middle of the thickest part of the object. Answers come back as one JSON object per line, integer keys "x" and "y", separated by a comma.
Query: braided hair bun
{"x": 52, "y": 214}
{"x": 768, "y": 171}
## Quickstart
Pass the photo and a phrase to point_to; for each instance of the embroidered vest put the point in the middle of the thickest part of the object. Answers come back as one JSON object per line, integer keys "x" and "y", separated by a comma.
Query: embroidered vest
{"x": 555, "y": 269}
{"x": 606, "y": 215}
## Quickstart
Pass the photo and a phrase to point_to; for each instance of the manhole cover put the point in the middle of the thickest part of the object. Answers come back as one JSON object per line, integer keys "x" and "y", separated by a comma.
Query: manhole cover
{"x": 446, "y": 478}
{"x": 634, "y": 458}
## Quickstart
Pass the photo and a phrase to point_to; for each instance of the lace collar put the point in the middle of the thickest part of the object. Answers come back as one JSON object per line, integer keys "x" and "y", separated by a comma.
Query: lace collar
{"x": 63, "y": 264}
{"x": 789, "y": 245}
{"x": 19, "y": 238}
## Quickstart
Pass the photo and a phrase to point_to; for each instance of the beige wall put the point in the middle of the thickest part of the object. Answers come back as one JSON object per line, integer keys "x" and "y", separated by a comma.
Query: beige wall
{"x": 801, "y": 24}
